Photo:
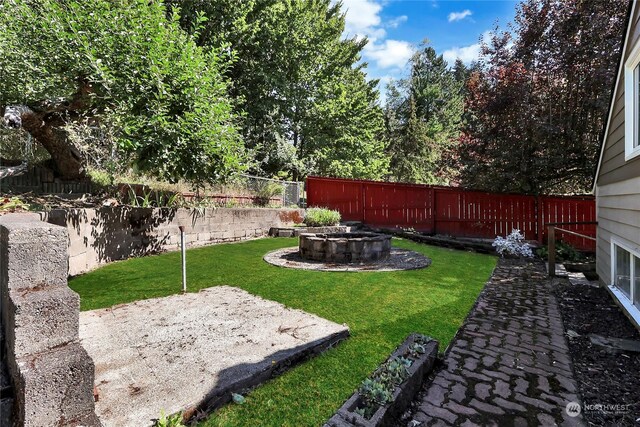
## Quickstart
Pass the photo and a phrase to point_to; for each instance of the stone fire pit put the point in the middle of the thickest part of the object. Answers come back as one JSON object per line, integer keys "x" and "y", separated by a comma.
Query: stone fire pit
{"x": 356, "y": 248}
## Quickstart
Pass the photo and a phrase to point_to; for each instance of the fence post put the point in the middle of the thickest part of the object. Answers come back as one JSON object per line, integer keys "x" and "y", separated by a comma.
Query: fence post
{"x": 551, "y": 239}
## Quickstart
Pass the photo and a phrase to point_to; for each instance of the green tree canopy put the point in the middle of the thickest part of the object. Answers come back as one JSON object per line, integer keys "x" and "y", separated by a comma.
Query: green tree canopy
{"x": 122, "y": 67}
{"x": 306, "y": 103}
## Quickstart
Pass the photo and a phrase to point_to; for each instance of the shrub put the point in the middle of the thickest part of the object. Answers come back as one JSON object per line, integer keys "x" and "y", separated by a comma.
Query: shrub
{"x": 564, "y": 252}
{"x": 514, "y": 245}
{"x": 100, "y": 179}
{"x": 321, "y": 217}
{"x": 265, "y": 192}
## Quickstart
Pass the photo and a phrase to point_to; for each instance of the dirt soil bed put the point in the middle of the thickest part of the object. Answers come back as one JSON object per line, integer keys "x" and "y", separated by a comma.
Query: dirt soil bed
{"x": 605, "y": 376}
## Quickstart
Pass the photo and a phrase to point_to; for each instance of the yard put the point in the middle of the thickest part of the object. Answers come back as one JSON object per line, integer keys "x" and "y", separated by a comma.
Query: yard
{"x": 381, "y": 309}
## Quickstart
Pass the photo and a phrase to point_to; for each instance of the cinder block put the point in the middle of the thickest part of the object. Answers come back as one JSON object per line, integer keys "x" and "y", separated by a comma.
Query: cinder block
{"x": 40, "y": 319}
{"x": 34, "y": 252}
{"x": 55, "y": 388}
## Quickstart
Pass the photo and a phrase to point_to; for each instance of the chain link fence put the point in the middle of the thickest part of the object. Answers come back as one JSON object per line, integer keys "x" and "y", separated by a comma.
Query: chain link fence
{"x": 291, "y": 193}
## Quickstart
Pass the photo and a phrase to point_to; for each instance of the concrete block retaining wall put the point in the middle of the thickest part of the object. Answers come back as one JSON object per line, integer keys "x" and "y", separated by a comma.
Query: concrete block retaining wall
{"x": 100, "y": 236}
{"x": 51, "y": 373}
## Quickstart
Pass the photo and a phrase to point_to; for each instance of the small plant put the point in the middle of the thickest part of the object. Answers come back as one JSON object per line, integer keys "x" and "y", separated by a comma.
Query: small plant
{"x": 374, "y": 394}
{"x": 377, "y": 390}
{"x": 321, "y": 217}
{"x": 266, "y": 191}
{"x": 167, "y": 199}
{"x": 394, "y": 371}
{"x": 564, "y": 252}
{"x": 416, "y": 349}
{"x": 13, "y": 204}
{"x": 513, "y": 244}
{"x": 237, "y": 398}
{"x": 100, "y": 179}
{"x": 174, "y": 420}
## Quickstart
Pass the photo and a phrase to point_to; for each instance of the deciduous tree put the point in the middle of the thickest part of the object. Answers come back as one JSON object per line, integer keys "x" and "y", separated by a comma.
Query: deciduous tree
{"x": 307, "y": 107}
{"x": 119, "y": 66}
{"x": 538, "y": 105}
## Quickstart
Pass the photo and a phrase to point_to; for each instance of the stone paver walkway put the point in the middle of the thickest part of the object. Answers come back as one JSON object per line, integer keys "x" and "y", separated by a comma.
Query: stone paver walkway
{"x": 509, "y": 364}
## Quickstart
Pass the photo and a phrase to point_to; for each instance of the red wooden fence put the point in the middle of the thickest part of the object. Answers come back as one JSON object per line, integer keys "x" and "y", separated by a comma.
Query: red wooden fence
{"x": 453, "y": 211}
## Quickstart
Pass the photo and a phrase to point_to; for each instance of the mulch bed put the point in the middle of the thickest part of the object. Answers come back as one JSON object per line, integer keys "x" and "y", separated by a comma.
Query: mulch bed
{"x": 605, "y": 376}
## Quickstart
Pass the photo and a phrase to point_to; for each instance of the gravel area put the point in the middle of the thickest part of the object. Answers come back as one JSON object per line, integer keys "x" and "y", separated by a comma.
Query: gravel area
{"x": 399, "y": 259}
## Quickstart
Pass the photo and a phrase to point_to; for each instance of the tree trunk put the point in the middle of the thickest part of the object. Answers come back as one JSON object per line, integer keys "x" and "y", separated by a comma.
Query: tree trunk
{"x": 46, "y": 128}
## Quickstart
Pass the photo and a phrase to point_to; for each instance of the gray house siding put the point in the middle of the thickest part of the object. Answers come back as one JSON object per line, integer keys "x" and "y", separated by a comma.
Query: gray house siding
{"x": 618, "y": 181}
{"x": 613, "y": 167}
{"x": 618, "y": 207}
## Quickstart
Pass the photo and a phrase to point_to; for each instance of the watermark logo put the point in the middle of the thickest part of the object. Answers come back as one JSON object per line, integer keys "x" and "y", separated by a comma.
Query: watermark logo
{"x": 573, "y": 409}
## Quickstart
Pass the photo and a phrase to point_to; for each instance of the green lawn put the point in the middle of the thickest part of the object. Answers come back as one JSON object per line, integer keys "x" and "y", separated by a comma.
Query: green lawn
{"x": 381, "y": 309}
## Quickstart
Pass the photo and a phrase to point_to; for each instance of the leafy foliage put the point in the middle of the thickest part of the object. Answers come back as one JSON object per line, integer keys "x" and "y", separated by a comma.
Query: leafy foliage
{"x": 307, "y": 106}
{"x": 321, "y": 217}
{"x": 536, "y": 107}
{"x": 129, "y": 70}
{"x": 564, "y": 252}
{"x": 378, "y": 390}
{"x": 13, "y": 204}
{"x": 174, "y": 420}
{"x": 266, "y": 191}
{"x": 374, "y": 394}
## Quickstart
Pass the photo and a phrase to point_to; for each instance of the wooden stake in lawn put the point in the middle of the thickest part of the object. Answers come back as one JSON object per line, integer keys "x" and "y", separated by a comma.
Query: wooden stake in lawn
{"x": 184, "y": 259}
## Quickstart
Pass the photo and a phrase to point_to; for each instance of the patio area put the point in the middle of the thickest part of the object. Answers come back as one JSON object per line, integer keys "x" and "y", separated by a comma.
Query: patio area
{"x": 190, "y": 352}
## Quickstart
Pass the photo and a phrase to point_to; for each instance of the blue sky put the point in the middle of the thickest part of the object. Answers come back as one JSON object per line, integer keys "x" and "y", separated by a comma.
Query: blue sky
{"x": 396, "y": 27}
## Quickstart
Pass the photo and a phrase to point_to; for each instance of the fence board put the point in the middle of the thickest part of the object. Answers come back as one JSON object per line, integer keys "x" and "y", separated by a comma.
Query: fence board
{"x": 453, "y": 211}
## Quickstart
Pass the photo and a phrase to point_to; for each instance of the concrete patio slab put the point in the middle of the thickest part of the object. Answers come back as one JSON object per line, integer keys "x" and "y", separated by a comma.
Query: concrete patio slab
{"x": 190, "y": 352}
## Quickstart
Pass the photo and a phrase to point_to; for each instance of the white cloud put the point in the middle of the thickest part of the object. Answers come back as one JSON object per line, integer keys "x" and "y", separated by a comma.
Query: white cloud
{"x": 467, "y": 54}
{"x": 459, "y": 16}
{"x": 389, "y": 53}
{"x": 362, "y": 19}
{"x": 395, "y": 23}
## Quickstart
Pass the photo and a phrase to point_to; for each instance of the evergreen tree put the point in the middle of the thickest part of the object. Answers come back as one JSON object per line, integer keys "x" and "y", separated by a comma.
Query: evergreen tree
{"x": 422, "y": 116}
{"x": 123, "y": 68}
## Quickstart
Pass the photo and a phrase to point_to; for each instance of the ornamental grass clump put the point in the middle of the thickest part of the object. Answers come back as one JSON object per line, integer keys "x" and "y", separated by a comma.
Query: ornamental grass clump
{"x": 321, "y": 217}
{"x": 513, "y": 245}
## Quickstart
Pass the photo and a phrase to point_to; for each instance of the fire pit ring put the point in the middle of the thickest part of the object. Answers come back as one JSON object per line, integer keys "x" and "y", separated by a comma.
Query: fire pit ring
{"x": 345, "y": 248}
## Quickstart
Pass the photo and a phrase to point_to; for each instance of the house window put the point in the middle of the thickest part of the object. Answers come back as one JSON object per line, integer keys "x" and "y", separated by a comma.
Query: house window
{"x": 632, "y": 105}
{"x": 625, "y": 269}
{"x": 622, "y": 277}
{"x": 636, "y": 282}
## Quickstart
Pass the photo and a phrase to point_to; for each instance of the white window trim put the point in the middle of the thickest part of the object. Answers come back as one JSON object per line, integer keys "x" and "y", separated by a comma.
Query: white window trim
{"x": 632, "y": 105}
{"x": 626, "y": 302}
